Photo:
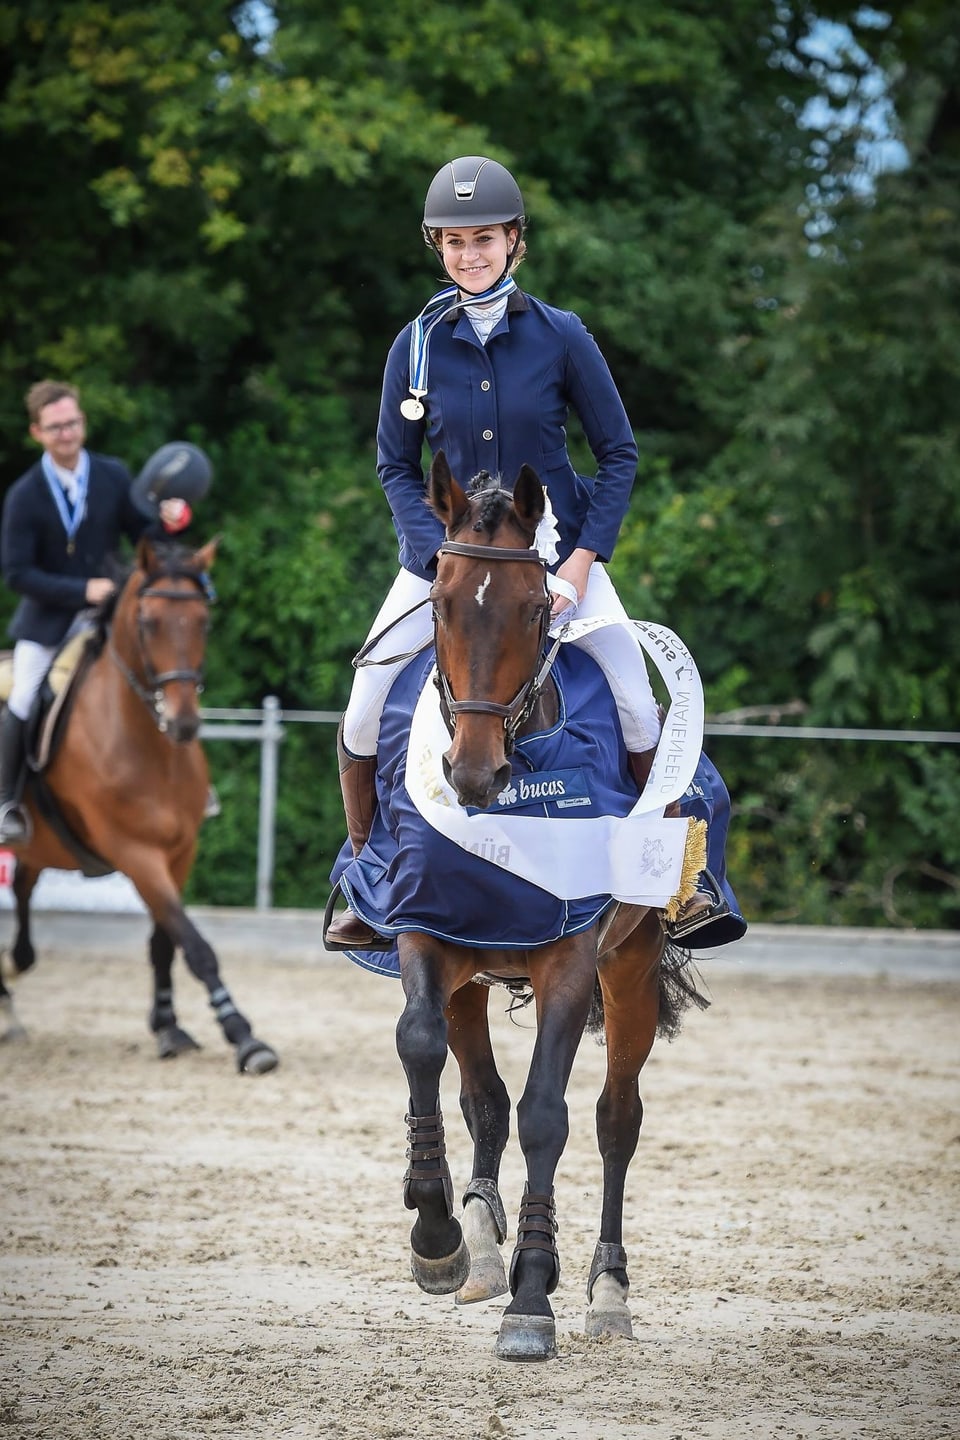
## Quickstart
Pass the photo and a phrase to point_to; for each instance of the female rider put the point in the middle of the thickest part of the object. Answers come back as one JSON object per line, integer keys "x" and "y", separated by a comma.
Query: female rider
{"x": 488, "y": 374}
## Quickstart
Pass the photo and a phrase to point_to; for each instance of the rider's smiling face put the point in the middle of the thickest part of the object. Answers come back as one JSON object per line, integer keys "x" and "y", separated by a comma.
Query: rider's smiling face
{"x": 476, "y": 257}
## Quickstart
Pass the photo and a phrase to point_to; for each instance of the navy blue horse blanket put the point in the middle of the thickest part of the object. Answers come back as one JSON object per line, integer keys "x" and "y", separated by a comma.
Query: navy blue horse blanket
{"x": 410, "y": 877}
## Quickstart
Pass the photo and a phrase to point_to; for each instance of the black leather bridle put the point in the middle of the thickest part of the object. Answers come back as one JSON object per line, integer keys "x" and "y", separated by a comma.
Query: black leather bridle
{"x": 152, "y": 693}
{"x": 520, "y": 708}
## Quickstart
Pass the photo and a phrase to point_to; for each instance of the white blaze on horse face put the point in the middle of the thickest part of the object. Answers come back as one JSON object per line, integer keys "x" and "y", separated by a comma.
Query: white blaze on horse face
{"x": 482, "y": 591}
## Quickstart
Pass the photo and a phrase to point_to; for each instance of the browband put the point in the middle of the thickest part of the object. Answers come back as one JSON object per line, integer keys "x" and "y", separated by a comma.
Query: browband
{"x": 489, "y": 552}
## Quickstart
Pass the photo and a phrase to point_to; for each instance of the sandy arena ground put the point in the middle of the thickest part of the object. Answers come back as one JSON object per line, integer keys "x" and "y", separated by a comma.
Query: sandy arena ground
{"x": 188, "y": 1253}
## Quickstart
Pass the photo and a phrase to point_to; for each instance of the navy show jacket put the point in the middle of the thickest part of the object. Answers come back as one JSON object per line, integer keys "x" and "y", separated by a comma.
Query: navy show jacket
{"x": 33, "y": 546}
{"x": 498, "y": 406}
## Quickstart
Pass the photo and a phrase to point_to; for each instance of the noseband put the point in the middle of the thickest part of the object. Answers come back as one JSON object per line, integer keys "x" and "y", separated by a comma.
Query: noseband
{"x": 520, "y": 708}
{"x": 152, "y": 693}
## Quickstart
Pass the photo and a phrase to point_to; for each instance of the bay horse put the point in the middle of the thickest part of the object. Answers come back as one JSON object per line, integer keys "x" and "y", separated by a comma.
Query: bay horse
{"x": 127, "y": 781}
{"x": 491, "y": 620}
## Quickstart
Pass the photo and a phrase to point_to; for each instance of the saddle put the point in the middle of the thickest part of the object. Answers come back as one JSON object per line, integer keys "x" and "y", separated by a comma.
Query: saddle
{"x": 46, "y": 727}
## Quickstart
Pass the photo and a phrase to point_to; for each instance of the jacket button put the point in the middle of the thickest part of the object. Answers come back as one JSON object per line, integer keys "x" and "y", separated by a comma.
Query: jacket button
{"x": 484, "y": 384}
{"x": 488, "y": 434}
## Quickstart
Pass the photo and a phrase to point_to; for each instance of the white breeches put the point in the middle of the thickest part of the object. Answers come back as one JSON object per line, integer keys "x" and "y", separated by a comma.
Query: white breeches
{"x": 31, "y": 661}
{"x": 615, "y": 648}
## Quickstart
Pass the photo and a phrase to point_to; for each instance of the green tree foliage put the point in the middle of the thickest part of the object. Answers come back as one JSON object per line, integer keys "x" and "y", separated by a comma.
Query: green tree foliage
{"x": 210, "y": 222}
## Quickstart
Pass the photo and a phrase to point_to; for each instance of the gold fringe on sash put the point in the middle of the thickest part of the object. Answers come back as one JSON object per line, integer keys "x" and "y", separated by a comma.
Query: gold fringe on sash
{"x": 694, "y": 860}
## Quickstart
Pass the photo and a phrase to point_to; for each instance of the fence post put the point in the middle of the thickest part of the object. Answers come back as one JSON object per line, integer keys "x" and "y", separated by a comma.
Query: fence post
{"x": 269, "y": 753}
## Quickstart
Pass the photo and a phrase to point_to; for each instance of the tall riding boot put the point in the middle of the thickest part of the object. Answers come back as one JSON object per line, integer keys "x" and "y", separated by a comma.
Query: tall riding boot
{"x": 358, "y": 785}
{"x": 14, "y": 824}
{"x": 708, "y": 902}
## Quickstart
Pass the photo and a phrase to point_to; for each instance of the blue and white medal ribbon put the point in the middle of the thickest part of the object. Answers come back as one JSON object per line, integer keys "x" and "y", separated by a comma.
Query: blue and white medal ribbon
{"x": 71, "y": 516}
{"x": 436, "y": 309}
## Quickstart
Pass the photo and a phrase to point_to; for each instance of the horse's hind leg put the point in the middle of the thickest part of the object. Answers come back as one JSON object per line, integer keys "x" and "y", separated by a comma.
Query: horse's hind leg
{"x": 172, "y": 1040}
{"x": 24, "y": 883}
{"x": 629, "y": 979}
{"x": 159, "y": 891}
{"x": 486, "y": 1109}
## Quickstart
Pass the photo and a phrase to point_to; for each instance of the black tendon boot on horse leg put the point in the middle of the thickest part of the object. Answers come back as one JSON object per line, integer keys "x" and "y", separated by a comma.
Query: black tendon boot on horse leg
{"x": 14, "y": 825}
{"x": 358, "y": 785}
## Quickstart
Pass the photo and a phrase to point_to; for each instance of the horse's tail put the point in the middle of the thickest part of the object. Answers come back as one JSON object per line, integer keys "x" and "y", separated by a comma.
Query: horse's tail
{"x": 679, "y": 987}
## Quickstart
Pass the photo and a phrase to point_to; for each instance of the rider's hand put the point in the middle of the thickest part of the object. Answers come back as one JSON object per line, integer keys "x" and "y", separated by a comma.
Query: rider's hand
{"x": 576, "y": 571}
{"x": 98, "y": 589}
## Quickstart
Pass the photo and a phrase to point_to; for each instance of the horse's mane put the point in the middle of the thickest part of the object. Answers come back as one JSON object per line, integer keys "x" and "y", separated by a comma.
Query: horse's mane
{"x": 494, "y": 501}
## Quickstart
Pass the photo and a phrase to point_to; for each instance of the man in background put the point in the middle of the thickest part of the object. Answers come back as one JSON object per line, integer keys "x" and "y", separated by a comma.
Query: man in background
{"x": 62, "y": 520}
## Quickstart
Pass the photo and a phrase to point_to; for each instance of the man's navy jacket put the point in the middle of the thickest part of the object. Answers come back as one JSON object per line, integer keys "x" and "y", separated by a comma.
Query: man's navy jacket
{"x": 34, "y": 557}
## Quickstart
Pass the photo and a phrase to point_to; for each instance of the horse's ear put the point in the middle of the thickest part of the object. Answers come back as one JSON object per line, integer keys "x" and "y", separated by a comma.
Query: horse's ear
{"x": 145, "y": 555}
{"x": 445, "y": 497}
{"x": 528, "y": 498}
{"x": 204, "y": 558}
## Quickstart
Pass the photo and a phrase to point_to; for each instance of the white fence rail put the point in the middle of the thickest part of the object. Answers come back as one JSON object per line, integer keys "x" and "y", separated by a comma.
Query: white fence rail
{"x": 68, "y": 891}
{"x": 267, "y": 727}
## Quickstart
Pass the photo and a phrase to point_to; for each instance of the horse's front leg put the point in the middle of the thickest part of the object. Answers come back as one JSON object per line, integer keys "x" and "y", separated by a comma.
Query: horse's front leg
{"x": 430, "y": 971}
{"x": 629, "y": 979}
{"x": 159, "y": 888}
{"x": 172, "y": 1039}
{"x": 24, "y": 883}
{"x": 22, "y": 954}
{"x": 486, "y": 1109}
{"x": 563, "y": 976}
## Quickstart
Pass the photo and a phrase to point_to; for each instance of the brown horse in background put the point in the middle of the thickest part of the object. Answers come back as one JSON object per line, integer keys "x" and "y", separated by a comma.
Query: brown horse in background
{"x": 490, "y": 664}
{"x": 126, "y": 786}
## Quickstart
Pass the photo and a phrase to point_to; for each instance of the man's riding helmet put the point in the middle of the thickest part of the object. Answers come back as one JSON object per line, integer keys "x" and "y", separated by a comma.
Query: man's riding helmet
{"x": 470, "y": 191}
{"x": 178, "y": 470}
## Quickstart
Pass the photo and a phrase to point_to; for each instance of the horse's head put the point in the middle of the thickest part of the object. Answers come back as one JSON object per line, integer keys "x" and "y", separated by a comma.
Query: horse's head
{"x": 490, "y": 622}
{"x": 159, "y": 632}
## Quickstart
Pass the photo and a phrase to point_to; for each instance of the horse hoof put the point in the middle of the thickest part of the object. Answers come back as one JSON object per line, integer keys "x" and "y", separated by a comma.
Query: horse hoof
{"x": 172, "y": 1041}
{"x": 527, "y": 1337}
{"x": 441, "y": 1277}
{"x": 8, "y": 971}
{"x": 256, "y": 1058}
{"x": 486, "y": 1280}
{"x": 608, "y": 1324}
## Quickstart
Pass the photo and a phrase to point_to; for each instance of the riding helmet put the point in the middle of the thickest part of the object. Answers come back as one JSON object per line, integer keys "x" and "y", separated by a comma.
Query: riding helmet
{"x": 177, "y": 470}
{"x": 472, "y": 190}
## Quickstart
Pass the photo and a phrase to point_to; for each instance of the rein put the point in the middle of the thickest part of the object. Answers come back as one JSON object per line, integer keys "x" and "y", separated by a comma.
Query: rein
{"x": 152, "y": 694}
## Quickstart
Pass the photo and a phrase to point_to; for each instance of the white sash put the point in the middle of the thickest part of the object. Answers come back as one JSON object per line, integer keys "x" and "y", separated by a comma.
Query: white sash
{"x": 637, "y": 858}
